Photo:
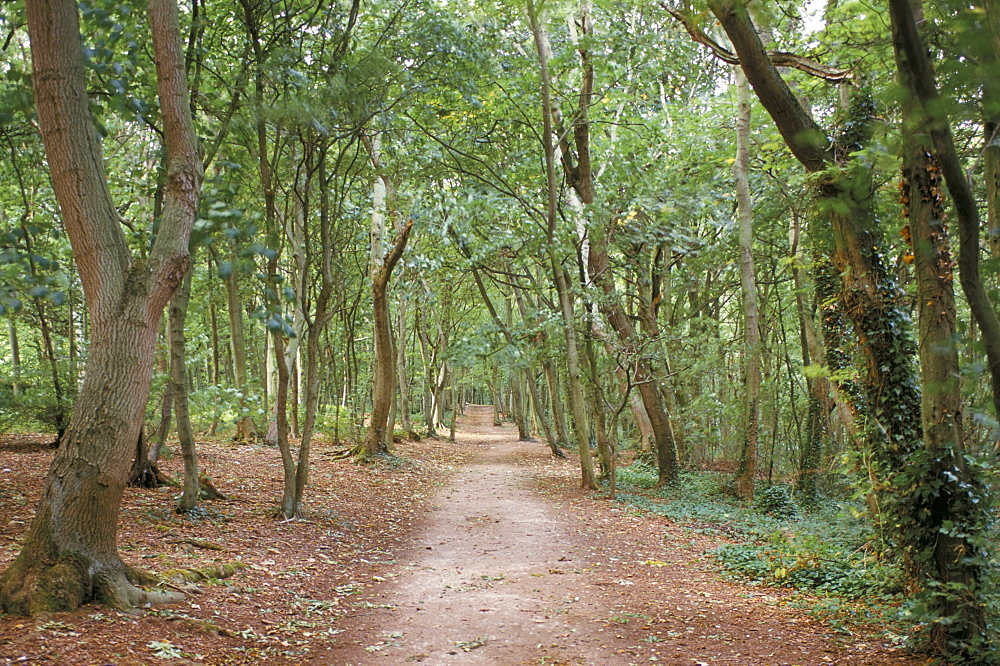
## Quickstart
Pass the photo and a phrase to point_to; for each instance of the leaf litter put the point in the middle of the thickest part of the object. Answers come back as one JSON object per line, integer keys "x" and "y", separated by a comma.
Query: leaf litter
{"x": 484, "y": 551}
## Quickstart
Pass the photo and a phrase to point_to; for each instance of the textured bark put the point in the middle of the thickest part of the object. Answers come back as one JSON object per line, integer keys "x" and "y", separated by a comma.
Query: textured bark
{"x": 587, "y": 479}
{"x": 179, "y": 380}
{"x": 70, "y": 554}
{"x": 914, "y": 64}
{"x": 942, "y": 550}
{"x": 383, "y": 373}
{"x": 652, "y": 400}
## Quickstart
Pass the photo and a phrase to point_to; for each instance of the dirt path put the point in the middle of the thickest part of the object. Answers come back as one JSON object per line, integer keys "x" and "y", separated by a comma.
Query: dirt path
{"x": 503, "y": 572}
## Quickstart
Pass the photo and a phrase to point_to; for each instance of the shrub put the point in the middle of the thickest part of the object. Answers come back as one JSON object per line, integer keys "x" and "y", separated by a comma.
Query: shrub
{"x": 777, "y": 501}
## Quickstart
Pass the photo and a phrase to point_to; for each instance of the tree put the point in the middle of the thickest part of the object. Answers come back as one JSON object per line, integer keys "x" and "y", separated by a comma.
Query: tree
{"x": 746, "y": 474}
{"x": 385, "y": 372}
{"x": 70, "y": 554}
{"x": 947, "y": 554}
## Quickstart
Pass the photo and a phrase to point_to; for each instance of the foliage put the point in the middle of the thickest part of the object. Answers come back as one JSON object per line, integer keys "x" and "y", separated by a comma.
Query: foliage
{"x": 777, "y": 501}
{"x": 831, "y": 550}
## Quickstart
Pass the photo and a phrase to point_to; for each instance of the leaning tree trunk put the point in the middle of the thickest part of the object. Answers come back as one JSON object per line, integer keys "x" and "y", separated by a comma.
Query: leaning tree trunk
{"x": 600, "y": 274}
{"x": 70, "y": 556}
{"x": 384, "y": 372}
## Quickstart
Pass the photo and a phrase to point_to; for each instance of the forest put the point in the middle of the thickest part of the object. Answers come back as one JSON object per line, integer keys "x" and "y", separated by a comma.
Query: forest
{"x": 721, "y": 253}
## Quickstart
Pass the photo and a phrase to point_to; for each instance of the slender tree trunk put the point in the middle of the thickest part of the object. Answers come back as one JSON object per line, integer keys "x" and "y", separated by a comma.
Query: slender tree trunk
{"x": 556, "y": 402}
{"x": 15, "y": 357}
{"x": 216, "y": 379}
{"x": 245, "y": 430}
{"x": 178, "y": 372}
{"x": 402, "y": 374}
{"x": 587, "y": 480}
{"x": 743, "y": 484}
{"x": 383, "y": 375}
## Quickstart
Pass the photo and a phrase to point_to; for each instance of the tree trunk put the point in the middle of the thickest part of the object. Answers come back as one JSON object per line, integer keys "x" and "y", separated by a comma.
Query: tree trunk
{"x": 402, "y": 377}
{"x": 70, "y": 554}
{"x": 743, "y": 483}
{"x": 383, "y": 373}
{"x": 600, "y": 275}
{"x": 938, "y": 547}
{"x": 556, "y": 402}
{"x": 245, "y": 430}
{"x": 15, "y": 357}
{"x": 587, "y": 480}
{"x": 991, "y": 129}
{"x": 178, "y": 373}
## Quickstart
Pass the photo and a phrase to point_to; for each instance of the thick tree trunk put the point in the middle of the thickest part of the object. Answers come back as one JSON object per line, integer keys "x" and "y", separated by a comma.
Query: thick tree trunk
{"x": 70, "y": 554}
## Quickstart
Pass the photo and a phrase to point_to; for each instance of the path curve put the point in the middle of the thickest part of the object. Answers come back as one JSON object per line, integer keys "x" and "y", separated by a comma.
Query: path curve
{"x": 502, "y": 573}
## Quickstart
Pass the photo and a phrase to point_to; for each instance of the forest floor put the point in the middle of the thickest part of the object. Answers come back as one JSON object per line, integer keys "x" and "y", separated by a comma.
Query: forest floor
{"x": 479, "y": 552}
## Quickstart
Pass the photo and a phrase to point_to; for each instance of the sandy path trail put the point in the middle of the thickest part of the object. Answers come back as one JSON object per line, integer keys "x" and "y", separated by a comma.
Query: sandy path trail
{"x": 503, "y": 573}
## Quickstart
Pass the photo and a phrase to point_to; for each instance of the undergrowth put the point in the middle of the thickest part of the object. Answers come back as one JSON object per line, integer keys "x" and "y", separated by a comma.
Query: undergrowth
{"x": 826, "y": 551}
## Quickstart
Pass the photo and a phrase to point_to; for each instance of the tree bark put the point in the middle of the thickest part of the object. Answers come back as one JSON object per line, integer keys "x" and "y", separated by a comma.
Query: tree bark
{"x": 746, "y": 473}
{"x": 383, "y": 374}
{"x": 943, "y": 550}
{"x": 587, "y": 479}
{"x": 70, "y": 554}
{"x": 178, "y": 374}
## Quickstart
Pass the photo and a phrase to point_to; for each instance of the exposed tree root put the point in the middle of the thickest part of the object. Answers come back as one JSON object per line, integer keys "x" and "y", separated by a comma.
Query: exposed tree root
{"x": 214, "y": 571}
{"x": 31, "y": 588}
{"x": 208, "y": 489}
{"x": 199, "y": 543}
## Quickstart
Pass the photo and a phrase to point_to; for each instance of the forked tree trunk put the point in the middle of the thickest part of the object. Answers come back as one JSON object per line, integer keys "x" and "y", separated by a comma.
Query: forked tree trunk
{"x": 938, "y": 547}
{"x": 70, "y": 554}
{"x": 384, "y": 372}
{"x": 541, "y": 39}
